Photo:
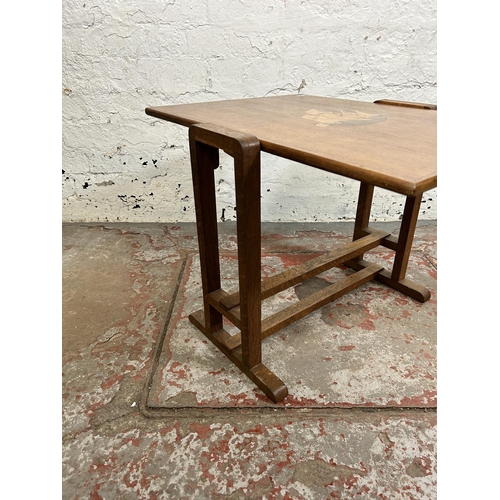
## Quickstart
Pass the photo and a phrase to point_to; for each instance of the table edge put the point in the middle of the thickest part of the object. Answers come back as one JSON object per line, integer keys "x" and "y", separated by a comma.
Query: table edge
{"x": 383, "y": 181}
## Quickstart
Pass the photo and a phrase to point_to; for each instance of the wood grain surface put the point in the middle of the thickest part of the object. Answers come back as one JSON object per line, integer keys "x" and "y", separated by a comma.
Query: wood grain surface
{"x": 390, "y": 146}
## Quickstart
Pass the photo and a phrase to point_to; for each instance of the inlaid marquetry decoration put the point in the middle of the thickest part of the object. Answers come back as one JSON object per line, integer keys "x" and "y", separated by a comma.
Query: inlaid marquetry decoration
{"x": 341, "y": 117}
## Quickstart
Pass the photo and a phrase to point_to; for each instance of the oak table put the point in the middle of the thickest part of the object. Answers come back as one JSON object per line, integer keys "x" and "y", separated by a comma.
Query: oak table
{"x": 388, "y": 144}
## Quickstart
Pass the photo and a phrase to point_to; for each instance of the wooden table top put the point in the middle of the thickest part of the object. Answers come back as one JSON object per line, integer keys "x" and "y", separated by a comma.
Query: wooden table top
{"x": 393, "y": 147}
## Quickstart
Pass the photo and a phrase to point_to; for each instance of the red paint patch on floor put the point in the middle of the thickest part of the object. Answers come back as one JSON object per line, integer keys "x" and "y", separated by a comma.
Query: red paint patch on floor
{"x": 111, "y": 381}
{"x": 203, "y": 431}
{"x": 346, "y": 348}
{"x": 427, "y": 399}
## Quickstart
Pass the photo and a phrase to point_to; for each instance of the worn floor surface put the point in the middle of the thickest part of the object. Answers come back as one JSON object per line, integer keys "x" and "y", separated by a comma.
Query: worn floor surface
{"x": 152, "y": 410}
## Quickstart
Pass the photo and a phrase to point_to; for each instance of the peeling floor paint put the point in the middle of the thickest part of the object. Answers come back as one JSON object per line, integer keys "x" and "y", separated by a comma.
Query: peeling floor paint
{"x": 372, "y": 347}
{"x": 393, "y": 458}
{"x": 119, "y": 285}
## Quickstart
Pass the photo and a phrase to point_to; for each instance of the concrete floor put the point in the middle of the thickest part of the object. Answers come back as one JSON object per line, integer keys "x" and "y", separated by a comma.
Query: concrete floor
{"x": 151, "y": 410}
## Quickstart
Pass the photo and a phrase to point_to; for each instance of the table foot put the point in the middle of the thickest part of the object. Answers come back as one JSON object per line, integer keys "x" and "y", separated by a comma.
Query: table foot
{"x": 271, "y": 385}
{"x": 406, "y": 286}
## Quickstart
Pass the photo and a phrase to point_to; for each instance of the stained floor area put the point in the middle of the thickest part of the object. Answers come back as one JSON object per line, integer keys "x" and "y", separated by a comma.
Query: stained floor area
{"x": 153, "y": 410}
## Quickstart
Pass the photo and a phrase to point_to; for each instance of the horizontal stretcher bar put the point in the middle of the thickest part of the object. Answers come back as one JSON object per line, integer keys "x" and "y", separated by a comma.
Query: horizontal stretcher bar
{"x": 299, "y": 309}
{"x": 313, "y": 267}
{"x": 316, "y": 300}
{"x": 390, "y": 241}
{"x": 406, "y": 286}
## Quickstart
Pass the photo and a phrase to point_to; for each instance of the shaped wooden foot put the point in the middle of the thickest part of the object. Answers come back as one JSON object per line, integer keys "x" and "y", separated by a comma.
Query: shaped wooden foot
{"x": 272, "y": 386}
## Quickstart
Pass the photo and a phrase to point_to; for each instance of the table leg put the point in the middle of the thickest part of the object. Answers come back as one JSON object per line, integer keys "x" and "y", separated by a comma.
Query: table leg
{"x": 405, "y": 238}
{"x": 363, "y": 210}
{"x": 247, "y": 183}
{"x": 204, "y": 160}
{"x": 402, "y": 244}
{"x": 245, "y": 349}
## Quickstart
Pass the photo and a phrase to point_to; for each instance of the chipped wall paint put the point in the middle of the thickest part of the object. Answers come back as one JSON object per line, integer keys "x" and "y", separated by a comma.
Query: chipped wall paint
{"x": 120, "y": 57}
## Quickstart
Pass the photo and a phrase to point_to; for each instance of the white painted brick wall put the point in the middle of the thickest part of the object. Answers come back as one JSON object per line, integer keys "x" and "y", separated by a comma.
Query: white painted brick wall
{"x": 121, "y": 56}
